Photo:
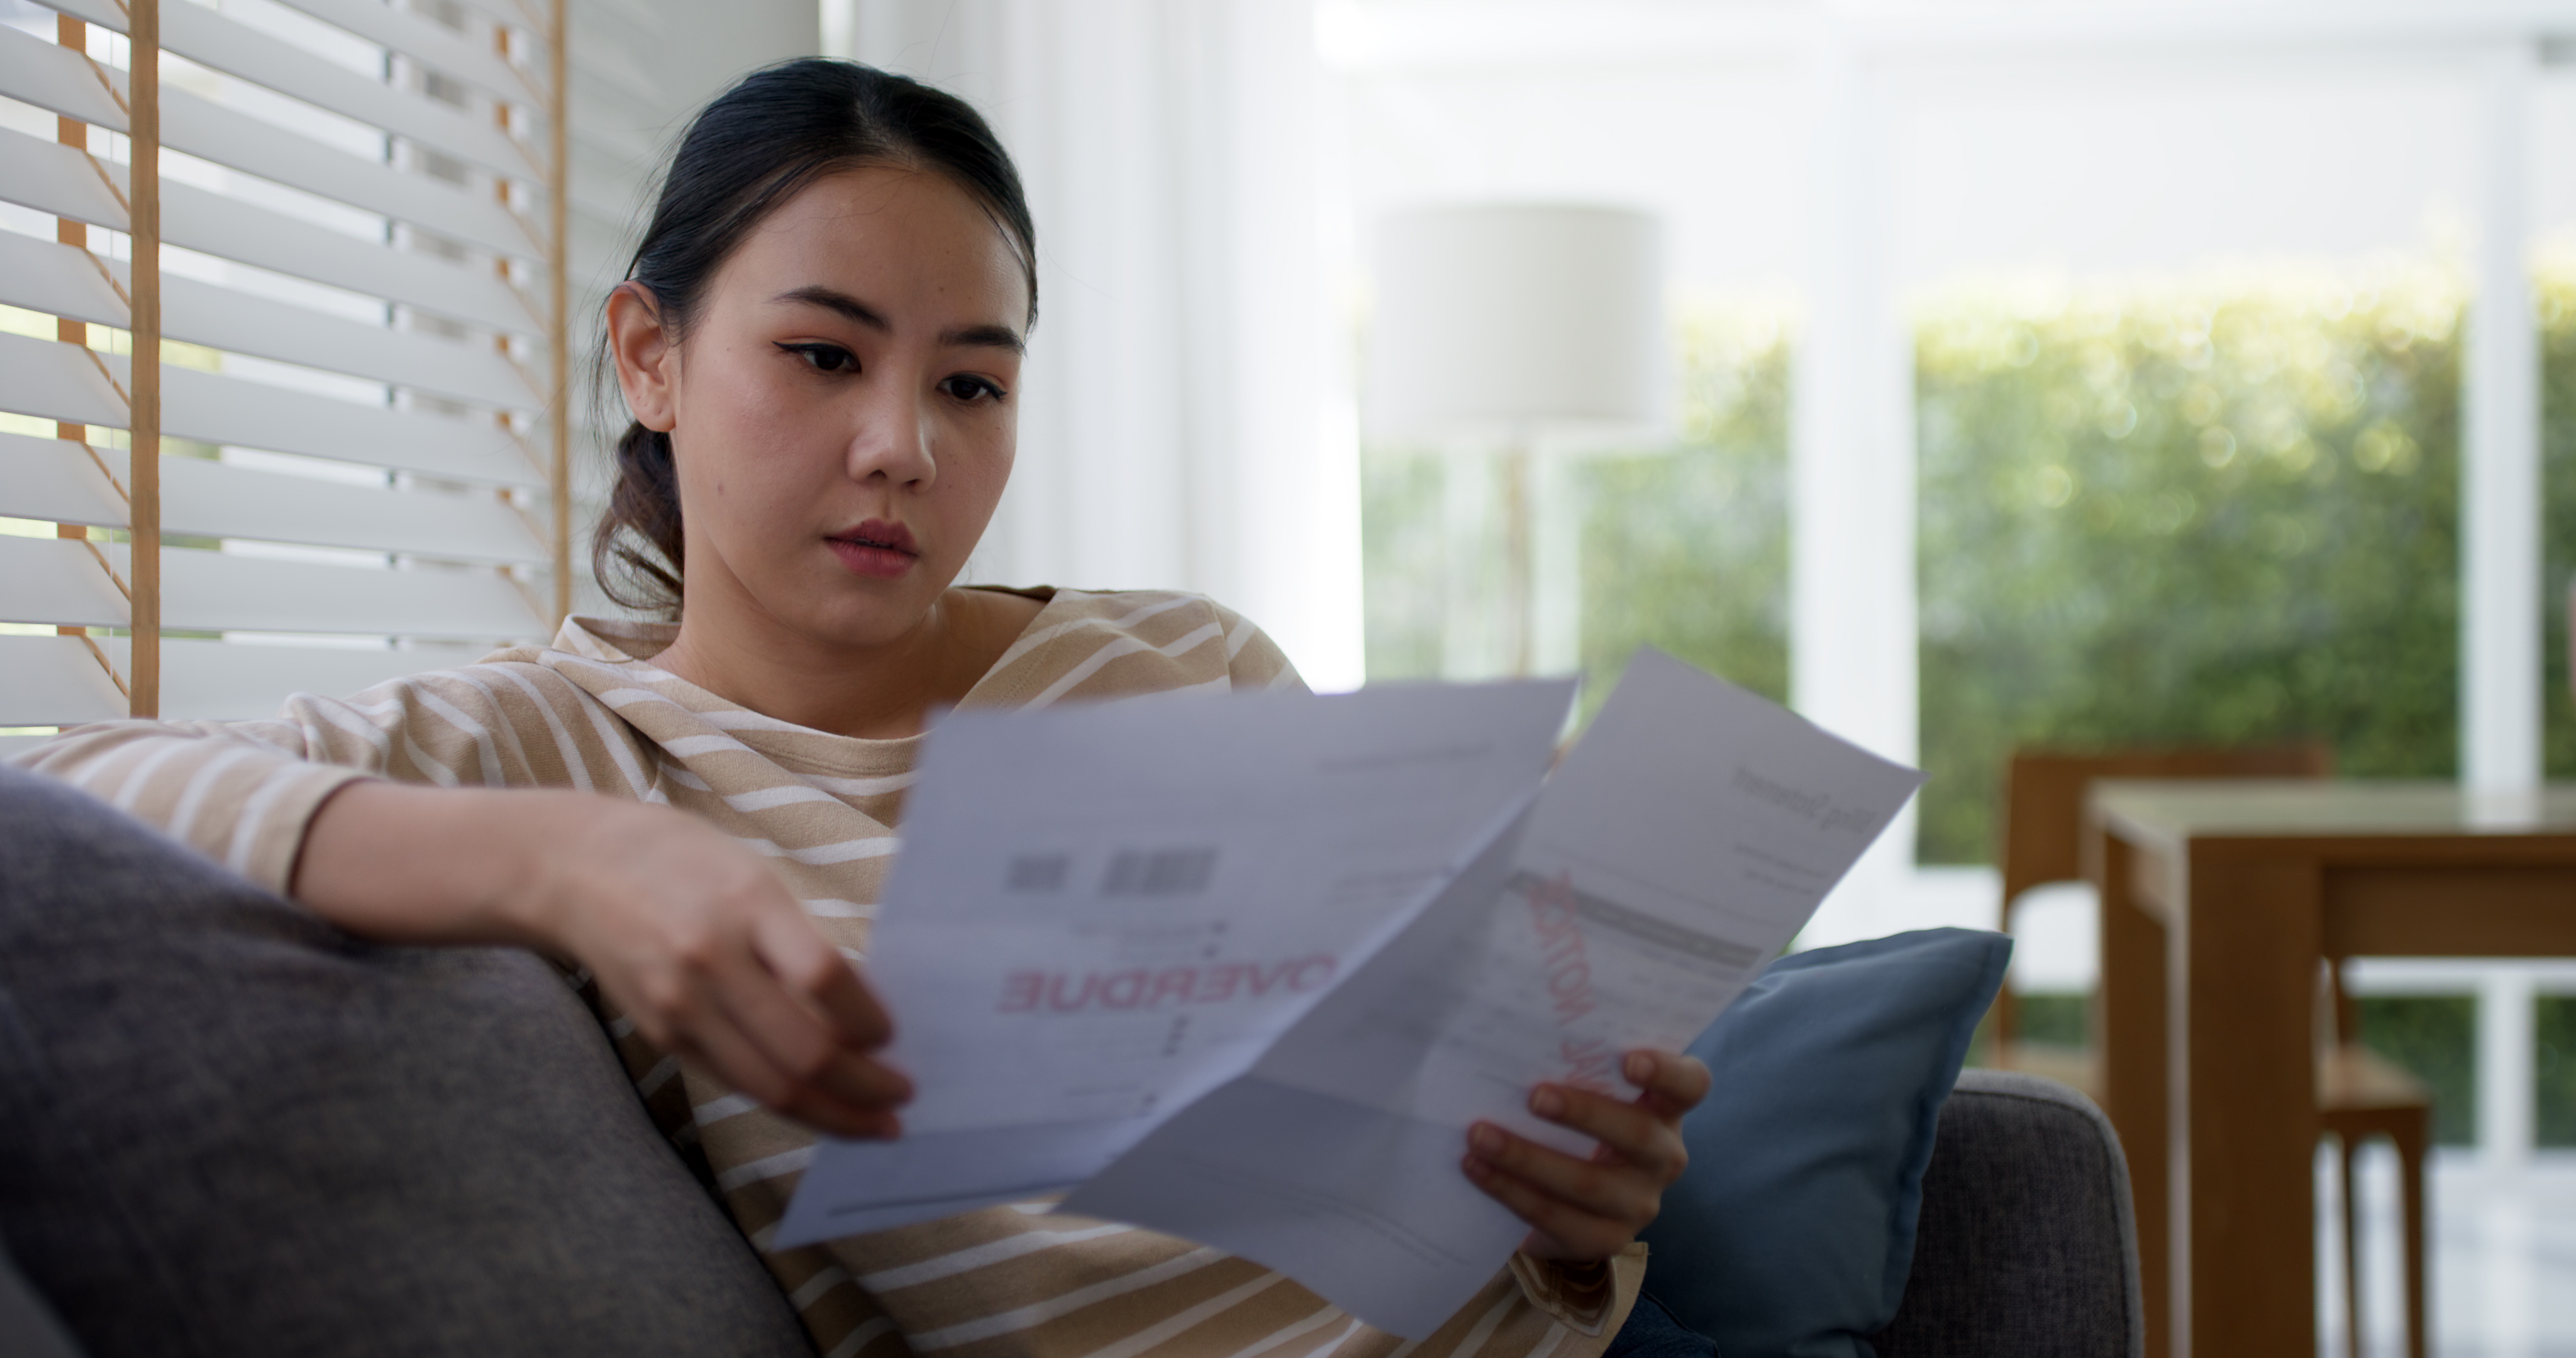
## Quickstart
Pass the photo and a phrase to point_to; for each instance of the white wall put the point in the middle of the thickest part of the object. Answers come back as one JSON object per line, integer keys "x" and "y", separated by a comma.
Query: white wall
{"x": 1178, "y": 428}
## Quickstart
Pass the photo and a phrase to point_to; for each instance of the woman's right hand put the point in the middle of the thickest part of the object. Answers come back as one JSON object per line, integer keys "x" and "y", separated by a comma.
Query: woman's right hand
{"x": 687, "y": 931}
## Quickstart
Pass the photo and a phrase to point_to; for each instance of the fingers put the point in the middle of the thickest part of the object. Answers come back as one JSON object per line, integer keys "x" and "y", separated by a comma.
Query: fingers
{"x": 822, "y": 1081}
{"x": 714, "y": 1042}
{"x": 1671, "y": 1084}
{"x": 715, "y": 961}
{"x": 1629, "y": 1133}
{"x": 1591, "y": 1208}
{"x": 714, "y": 1003}
{"x": 817, "y": 974}
{"x": 1602, "y": 1185}
{"x": 1559, "y": 1227}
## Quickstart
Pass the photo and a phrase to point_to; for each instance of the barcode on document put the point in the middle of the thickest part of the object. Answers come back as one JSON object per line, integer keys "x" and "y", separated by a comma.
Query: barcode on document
{"x": 1159, "y": 872}
{"x": 1039, "y": 871}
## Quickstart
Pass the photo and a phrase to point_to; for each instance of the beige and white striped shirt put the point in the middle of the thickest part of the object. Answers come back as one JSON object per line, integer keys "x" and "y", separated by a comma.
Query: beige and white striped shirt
{"x": 593, "y": 712}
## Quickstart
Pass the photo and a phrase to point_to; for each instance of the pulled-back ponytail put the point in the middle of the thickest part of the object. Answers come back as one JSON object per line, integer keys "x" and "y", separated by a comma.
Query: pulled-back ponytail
{"x": 758, "y": 145}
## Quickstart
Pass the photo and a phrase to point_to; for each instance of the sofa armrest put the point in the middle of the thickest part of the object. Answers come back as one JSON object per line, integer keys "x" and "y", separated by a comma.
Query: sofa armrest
{"x": 28, "y": 1327}
{"x": 231, "y": 1129}
{"x": 2027, "y": 1247}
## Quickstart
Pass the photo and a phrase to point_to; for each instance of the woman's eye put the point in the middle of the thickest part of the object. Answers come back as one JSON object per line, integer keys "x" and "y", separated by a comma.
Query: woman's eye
{"x": 830, "y": 358}
{"x": 965, "y": 388}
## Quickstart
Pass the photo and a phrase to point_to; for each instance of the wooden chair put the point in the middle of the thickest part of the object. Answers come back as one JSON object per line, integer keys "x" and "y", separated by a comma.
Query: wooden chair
{"x": 2360, "y": 1094}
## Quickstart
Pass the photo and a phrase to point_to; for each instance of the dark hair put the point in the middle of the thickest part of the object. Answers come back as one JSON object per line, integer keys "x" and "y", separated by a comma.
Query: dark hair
{"x": 758, "y": 145}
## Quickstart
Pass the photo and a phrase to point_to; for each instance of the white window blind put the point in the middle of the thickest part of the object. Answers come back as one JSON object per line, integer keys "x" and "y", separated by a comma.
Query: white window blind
{"x": 623, "y": 114}
{"x": 342, "y": 225}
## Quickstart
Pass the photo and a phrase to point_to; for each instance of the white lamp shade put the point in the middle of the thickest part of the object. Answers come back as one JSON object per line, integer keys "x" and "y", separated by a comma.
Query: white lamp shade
{"x": 1519, "y": 322}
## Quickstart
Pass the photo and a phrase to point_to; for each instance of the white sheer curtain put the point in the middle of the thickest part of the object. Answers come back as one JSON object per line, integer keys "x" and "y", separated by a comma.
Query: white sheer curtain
{"x": 1178, "y": 427}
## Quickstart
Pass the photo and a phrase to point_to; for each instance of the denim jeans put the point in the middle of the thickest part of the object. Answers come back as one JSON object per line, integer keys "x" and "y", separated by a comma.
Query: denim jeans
{"x": 1651, "y": 1332}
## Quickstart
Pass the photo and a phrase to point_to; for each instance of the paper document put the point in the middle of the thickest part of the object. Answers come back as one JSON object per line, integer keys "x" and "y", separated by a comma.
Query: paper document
{"x": 1244, "y": 970}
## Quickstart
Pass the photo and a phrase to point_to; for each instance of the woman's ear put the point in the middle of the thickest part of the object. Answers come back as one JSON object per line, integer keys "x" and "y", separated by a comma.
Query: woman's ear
{"x": 648, "y": 368}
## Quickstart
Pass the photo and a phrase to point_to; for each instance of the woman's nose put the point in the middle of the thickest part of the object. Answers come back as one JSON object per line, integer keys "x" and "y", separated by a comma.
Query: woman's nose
{"x": 893, "y": 440}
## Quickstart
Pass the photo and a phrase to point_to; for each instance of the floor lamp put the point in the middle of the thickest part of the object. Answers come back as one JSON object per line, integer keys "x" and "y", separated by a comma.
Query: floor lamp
{"x": 1528, "y": 330}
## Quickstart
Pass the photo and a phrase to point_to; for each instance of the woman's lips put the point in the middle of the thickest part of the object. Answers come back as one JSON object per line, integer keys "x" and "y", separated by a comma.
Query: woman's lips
{"x": 875, "y": 548}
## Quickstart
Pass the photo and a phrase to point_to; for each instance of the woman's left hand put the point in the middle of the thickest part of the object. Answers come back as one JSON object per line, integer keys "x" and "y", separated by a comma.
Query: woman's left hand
{"x": 1581, "y": 1210}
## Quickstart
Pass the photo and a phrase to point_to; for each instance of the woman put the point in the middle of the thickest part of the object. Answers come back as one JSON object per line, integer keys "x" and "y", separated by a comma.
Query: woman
{"x": 820, "y": 344}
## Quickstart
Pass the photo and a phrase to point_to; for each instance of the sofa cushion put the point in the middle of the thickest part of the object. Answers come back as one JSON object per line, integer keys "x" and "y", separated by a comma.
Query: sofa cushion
{"x": 1793, "y": 1230}
{"x": 232, "y": 1129}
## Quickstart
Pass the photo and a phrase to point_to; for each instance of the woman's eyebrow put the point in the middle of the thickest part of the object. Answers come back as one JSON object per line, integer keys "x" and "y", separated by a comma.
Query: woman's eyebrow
{"x": 843, "y": 304}
{"x": 815, "y": 294}
{"x": 985, "y": 337}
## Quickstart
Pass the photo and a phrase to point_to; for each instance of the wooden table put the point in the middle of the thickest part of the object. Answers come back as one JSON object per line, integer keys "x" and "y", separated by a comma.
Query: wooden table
{"x": 2219, "y": 899}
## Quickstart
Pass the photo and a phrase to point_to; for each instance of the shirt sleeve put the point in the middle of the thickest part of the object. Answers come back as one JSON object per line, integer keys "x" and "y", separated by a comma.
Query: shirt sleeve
{"x": 1253, "y": 661}
{"x": 243, "y": 793}
{"x": 1592, "y": 1300}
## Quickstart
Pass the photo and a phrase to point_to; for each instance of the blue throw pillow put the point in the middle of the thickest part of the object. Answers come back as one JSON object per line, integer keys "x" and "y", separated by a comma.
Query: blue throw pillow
{"x": 1793, "y": 1230}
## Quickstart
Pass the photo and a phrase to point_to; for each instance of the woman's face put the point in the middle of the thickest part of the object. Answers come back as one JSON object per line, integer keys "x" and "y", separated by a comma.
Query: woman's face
{"x": 843, "y": 410}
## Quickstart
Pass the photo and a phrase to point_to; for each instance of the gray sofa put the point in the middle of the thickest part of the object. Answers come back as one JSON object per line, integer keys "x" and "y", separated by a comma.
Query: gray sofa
{"x": 2026, "y": 1247}
{"x": 230, "y": 1129}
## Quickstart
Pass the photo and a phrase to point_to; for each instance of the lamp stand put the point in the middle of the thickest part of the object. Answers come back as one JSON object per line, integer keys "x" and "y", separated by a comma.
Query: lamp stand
{"x": 1520, "y": 571}
{"x": 1511, "y": 593}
